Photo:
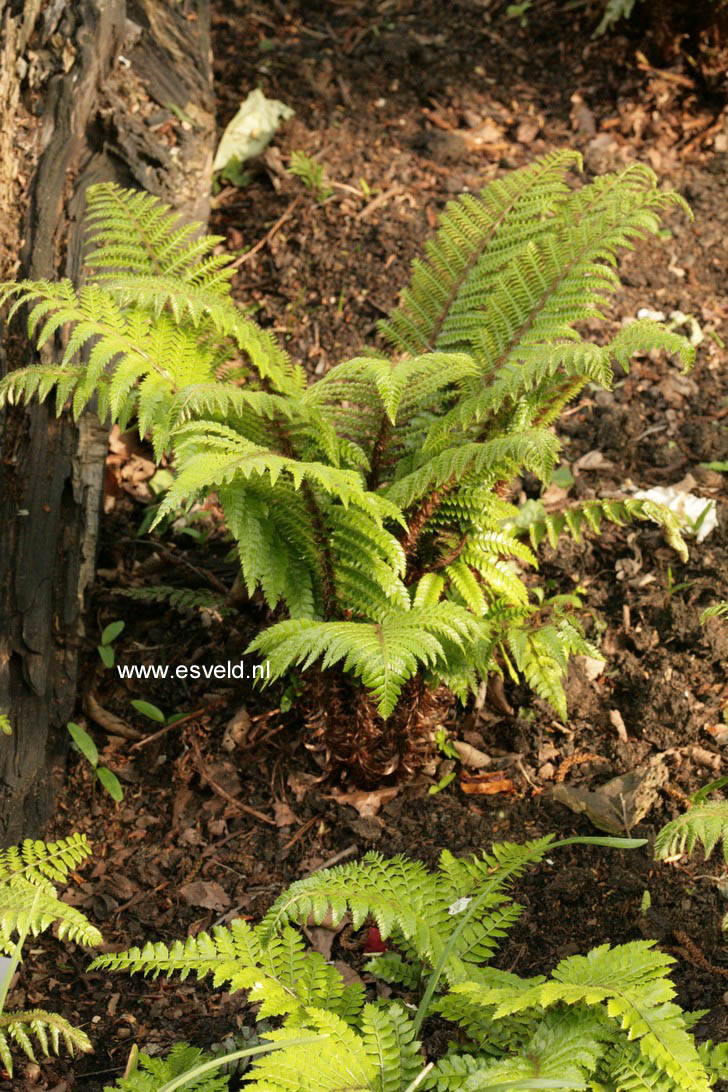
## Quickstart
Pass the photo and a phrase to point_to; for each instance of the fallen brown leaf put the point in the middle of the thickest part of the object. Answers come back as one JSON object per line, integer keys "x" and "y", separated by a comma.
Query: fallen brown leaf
{"x": 471, "y": 756}
{"x": 205, "y": 893}
{"x": 283, "y": 814}
{"x": 485, "y": 784}
{"x": 367, "y": 803}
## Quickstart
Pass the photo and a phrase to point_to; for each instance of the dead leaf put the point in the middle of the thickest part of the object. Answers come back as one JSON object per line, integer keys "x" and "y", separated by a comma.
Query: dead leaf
{"x": 108, "y": 721}
{"x": 299, "y": 783}
{"x": 471, "y": 756}
{"x": 367, "y": 803}
{"x": 283, "y": 814}
{"x": 205, "y": 893}
{"x": 704, "y": 758}
{"x": 528, "y": 130}
{"x": 592, "y": 667}
{"x": 485, "y": 784}
{"x": 618, "y": 805}
{"x": 236, "y": 730}
{"x": 616, "y": 721}
{"x": 225, "y": 775}
{"x": 322, "y": 939}
{"x": 348, "y": 973}
{"x": 495, "y": 696}
{"x": 592, "y": 460}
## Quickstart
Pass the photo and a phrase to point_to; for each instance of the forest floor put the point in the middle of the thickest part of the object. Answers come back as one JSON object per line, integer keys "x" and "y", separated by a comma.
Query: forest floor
{"x": 405, "y": 109}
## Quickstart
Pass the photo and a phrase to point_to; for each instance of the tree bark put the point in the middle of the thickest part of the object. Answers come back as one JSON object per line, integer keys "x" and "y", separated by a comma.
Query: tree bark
{"x": 132, "y": 103}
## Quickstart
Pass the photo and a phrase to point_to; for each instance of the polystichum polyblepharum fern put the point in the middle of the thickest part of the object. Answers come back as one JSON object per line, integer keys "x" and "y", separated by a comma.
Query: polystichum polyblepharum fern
{"x": 29, "y": 904}
{"x": 371, "y": 504}
{"x": 606, "y": 1020}
{"x": 705, "y": 823}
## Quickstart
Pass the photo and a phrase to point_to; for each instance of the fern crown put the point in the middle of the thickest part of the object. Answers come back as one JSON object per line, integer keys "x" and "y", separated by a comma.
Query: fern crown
{"x": 369, "y": 504}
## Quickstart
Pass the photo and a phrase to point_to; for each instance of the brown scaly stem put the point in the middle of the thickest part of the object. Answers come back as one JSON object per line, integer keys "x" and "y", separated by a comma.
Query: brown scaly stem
{"x": 416, "y": 524}
{"x": 380, "y": 444}
{"x": 439, "y": 565}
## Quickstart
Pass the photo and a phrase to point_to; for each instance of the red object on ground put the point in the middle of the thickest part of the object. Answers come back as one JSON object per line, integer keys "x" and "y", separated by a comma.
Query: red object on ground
{"x": 374, "y": 941}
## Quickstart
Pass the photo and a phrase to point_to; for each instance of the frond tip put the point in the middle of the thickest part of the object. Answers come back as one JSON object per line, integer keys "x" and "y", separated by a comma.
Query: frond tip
{"x": 48, "y": 1029}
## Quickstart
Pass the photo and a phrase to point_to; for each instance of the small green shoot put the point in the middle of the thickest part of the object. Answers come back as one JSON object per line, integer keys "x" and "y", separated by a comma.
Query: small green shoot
{"x": 109, "y": 635}
{"x": 311, "y": 174}
{"x": 443, "y": 743}
{"x": 672, "y": 587}
{"x": 84, "y": 743}
{"x": 152, "y": 712}
{"x": 646, "y": 902}
{"x": 518, "y": 11}
{"x": 5, "y": 725}
{"x": 442, "y": 783}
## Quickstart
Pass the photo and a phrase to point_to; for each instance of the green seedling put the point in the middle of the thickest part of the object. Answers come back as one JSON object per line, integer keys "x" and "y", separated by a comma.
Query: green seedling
{"x": 109, "y": 635}
{"x": 153, "y": 712}
{"x": 311, "y": 174}
{"x": 84, "y": 743}
{"x": 5, "y": 726}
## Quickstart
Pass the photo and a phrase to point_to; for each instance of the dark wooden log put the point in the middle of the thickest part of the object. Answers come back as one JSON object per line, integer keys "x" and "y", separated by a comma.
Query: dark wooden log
{"x": 132, "y": 103}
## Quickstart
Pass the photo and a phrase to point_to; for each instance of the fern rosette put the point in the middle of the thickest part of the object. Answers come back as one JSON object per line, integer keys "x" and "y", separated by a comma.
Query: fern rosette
{"x": 603, "y": 1021}
{"x": 370, "y": 507}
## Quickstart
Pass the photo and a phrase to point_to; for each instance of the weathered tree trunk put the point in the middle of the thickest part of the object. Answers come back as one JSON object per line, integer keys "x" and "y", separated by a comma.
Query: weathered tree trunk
{"x": 132, "y": 103}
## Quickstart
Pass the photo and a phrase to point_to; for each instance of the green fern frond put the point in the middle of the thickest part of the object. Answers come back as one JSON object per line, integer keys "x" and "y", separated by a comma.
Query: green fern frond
{"x": 38, "y": 862}
{"x": 47, "y": 1028}
{"x": 27, "y": 906}
{"x": 587, "y": 516}
{"x": 150, "y": 1074}
{"x": 382, "y": 654}
{"x": 275, "y": 970}
{"x": 630, "y": 985}
{"x": 718, "y": 610}
{"x": 477, "y": 238}
{"x": 185, "y": 600}
{"x": 706, "y": 823}
{"x": 340, "y": 1061}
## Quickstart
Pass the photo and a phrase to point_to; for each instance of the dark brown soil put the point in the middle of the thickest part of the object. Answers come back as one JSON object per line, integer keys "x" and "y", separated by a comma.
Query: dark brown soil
{"x": 387, "y": 97}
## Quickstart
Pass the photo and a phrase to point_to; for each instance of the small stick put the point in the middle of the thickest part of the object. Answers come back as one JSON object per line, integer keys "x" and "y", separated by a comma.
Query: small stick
{"x": 167, "y": 728}
{"x": 376, "y": 202}
{"x": 268, "y": 236}
{"x": 341, "y": 856}
{"x": 220, "y": 791}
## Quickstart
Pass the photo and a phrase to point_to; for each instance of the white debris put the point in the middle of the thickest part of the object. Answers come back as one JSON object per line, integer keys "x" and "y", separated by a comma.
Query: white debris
{"x": 459, "y": 905}
{"x": 699, "y": 512}
{"x": 252, "y": 128}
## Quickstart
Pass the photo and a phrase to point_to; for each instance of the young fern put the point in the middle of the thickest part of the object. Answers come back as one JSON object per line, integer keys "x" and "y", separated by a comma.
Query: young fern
{"x": 369, "y": 504}
{"x": 29, "y": 904}
{"x": 604, "y": 1020}
{"x": 705, "y": 822}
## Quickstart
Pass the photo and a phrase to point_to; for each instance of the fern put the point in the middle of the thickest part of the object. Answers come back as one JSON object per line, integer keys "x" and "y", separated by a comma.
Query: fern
{"x": 184, "y": 600}
{"x": 604, "y": 1020}
{"x": 150, "y": 1074}
{"x": 29, "y": 904}
{"x": 367, "y": 506}
{"x": 705, "y": 822}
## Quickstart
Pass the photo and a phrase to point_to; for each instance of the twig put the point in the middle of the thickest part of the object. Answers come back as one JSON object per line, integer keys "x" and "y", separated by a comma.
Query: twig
{"x": 112, "y": 724}
{"x": 268, "y": 236}
{"x": 167, "y": 728}
{"x": 341, "y": 856}
{"x": 220, "y": 791}
{"x": 380, "y": 199}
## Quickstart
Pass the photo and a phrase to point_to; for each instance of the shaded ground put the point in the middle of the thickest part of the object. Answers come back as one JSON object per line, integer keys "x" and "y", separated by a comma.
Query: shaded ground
{"x": 405, "y": 109}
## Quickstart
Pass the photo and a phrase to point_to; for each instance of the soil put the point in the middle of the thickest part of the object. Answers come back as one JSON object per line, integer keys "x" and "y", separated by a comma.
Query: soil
{"x": 404, "y": 108}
